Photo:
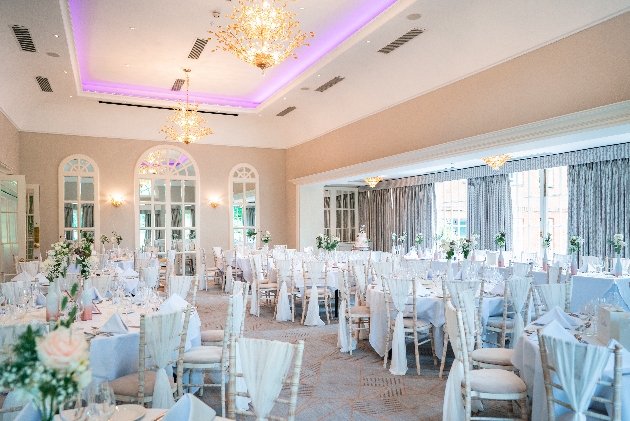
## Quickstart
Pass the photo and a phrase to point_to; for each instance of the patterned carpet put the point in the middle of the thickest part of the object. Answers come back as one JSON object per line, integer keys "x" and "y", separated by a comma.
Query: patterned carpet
{"x": 337, "y": 386}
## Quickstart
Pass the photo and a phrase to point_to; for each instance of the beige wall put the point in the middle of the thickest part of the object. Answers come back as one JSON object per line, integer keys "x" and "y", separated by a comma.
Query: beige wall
{"x": 41, "y": 155}
{"x": 583, "y": 71}
{"x": 9, "y": 144}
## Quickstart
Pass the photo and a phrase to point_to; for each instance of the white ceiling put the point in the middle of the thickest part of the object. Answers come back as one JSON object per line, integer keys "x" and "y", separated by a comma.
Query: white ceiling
{"x": 462, "y": 37}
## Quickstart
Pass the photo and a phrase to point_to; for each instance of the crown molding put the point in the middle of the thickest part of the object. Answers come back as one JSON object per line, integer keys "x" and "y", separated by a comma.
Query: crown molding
{"x": 582, "y": 121}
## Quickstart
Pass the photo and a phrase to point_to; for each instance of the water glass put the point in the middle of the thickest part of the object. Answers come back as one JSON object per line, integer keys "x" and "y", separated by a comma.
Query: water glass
{"x": 74, "y": 409}
{"x": 101, "y": 402}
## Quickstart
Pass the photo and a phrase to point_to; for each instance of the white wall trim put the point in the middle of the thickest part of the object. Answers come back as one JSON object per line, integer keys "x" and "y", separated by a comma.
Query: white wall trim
{"x": 595, "y": 118}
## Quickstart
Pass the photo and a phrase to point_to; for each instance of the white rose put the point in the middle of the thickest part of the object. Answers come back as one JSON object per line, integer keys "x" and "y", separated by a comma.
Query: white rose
{"x": 62, "y": 349}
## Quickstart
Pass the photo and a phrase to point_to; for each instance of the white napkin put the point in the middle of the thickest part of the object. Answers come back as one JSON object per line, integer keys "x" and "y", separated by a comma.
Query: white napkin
{"x": 115, "y": 324}
{"x": 173, "y": 303}
{"x": 24, "y": 276}
{"x": 29, "y": 413}
{"x": 499, "y": 289}
{"x": 41, "y": 279}
{"x": 129, "y": 273}
{"x": 190, "y": 408}
{"x": 411, "y": 255}
{"x": 587, "y": 268}
{"x": 429, "y": 274}
{"x": 556, "y": 330}
{"x": 458, "y": 277}
{"x": 625, "y": 360}
{"x": 560, "y": 316}
{"x": 421, "y": 291}
{"x": 40, "y": 300}
{"x": 96, "y": 296}
{"x": 118, "y": 270}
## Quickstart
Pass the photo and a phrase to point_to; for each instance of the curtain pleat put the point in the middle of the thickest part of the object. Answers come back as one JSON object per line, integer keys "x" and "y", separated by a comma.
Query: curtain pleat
{"x": 87, "y": 215}
{"x": 599, "y": 204}
{"x": 490, "y": 209}
{"x": 67, "y": 215}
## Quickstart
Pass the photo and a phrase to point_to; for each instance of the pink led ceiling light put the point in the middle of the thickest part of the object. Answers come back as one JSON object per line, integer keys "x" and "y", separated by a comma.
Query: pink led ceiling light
{"x": 325, "y": 43}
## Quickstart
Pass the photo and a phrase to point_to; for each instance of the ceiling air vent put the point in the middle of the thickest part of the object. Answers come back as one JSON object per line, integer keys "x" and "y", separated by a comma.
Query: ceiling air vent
{"x": 177, "y": 86}
{"x": 285, "y": 111}
{"x": 400, "y": 41}
{"x": 44, "y": 84}
{"x": 330, "y": 84}
{"x": 197, "y": 48}
{"x": 23, "y": 37}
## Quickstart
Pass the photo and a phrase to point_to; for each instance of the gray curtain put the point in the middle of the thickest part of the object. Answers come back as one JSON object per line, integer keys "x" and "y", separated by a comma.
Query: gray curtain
{"x": 411, "y": 209}
{"x": 67, "y": 215}
{"x": 87, "y": 215}
{"x": 490, "y": 209}
{"x": 250, "y": 216}
{"x": 599, "y": 204}
{"x": 176, "y": 216}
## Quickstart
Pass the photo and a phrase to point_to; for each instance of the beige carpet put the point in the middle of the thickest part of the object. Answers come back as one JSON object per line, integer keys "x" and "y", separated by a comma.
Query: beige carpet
{"x": 337, "y": 386}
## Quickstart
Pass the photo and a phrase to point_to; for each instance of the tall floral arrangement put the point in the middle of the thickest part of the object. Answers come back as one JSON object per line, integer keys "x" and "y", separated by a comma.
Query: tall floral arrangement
{"x": 467, "y": 245}
{"x": 105, "y": 239}
{"x": 449, "y": 247}
{"x": 500, "y": 239}
{"x": 575, "y": 243}
{"x": 546, "y": 242}
{"x": 115, "y": 238}
{"x": 265, "y": 237}
{"x": 251, "y": 234}
{"x": 617, "y": 243}
{"x": 56, "y": 264}
{"x": 83, "y": 253}
{"x": 419, "y": 239}
{"x": 327, "y": 243}
{"x": 49, "y": 368}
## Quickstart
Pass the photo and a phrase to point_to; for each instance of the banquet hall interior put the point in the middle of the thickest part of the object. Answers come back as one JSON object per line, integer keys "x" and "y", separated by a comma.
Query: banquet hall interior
{"x": 317, "y": 209}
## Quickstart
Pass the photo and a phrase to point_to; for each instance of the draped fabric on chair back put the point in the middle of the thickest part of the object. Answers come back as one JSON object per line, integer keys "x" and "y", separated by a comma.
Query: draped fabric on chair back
{"x": 150, "y": 276}
{"x": 492, "y": 258}
{"x": 398, "y": 290}
{"x": 562, "y": 260}
{"x": 418, "y": 267}
{"x": 162, "y": 337}
{"x": 455, "y": 288}
{"x": 553, "y": 274}
{"x": 453, "y": 408}
{"x": 257, "y": 270}
{"x": 578, "y": 368}
{"x": 382, "y": 269}
{"x": 102, "y": 283}
{"x": 553, "y": 295}
{"x": 592, "y": 260}
{"x": 599, "y": 203}
{"x": 360, "y": 277}
{"x": 344, "y": 342}
{"x": 180, "y": 285}
{"x": 518, "y": 290}
{"x": 284, "y": 270}
{"x": 265, "y": 365}
{"x": 315, "y": 272}
{"x": 490, "y": 209}
{"x": 520, "y": 269}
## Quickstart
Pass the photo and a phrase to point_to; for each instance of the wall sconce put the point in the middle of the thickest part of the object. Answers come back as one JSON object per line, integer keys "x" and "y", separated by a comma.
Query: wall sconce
{"x": 214, "y": 202}
{"x": 116, "y": 200}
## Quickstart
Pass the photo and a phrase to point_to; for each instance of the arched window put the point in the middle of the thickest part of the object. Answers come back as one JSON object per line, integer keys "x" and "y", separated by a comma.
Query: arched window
{"x": 167, "y": 199}
{"x": 244, "y": 200}
{"x": 78, "y": 197}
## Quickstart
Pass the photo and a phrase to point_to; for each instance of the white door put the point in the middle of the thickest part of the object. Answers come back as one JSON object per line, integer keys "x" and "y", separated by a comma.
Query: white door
{"x": 12, "y": 220}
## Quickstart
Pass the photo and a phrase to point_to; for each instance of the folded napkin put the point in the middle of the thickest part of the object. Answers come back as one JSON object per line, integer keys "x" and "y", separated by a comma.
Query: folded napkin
{"x": 458, "y": 277}
{"x": 557, "y": 330}
{"x": 24, "y": 276}
{"x": 41, "y": 279}
{"x": 421, "y": 291}
{"x": 190, "y": 408}
{"x": 115, "y": 324}
{"x": 411, "y": 255}
{"x": 587, "y": 268}
{"x": 129, "y": 273}
{"x": 40, "y": 300}
{"x": 174, "y": 302}
{"x": 560, "y": 316}
{"x": 96, "y": 296}
{"x": 108, "y": 294}
{"x": 625, "y": 360}
{"x": 29, "y": 413}
{"x": 118, "y": 270}
{"x": 499, "y": 289}
{"x": 429, "y": 274}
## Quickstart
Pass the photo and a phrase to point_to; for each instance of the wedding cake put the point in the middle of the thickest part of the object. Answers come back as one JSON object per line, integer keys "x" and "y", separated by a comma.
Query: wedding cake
{"x": 361, "y": 242}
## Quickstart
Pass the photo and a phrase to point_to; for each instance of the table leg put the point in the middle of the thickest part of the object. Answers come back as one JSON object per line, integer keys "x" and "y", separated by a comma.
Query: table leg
{"x": 336, "y": 303}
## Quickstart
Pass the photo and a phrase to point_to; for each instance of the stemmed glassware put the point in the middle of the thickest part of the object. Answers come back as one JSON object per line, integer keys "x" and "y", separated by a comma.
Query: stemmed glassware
{"x": 101, "y": 402}
{"x": 74, "y": 409}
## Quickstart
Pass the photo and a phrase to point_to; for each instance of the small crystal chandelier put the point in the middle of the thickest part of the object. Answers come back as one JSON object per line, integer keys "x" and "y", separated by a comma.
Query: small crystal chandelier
{"x": 187, "y": 118}
{"x": 261, "y": 35}
{"x": 373, "y": 181}
{"x": 496, "y": 161}
{"x": 152, "y": 163}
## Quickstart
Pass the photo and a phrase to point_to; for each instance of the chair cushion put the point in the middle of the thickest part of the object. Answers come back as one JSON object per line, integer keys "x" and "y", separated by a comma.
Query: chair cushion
{"x": 495, "y": 381}
{"x": 212, "y": 336}
{"x": 497, "y": 323}
{"x": 496, "y": 356}
{"x": 420, "y": 323}
{"x": 320, "y": 292}
{"x": 203, "y": 355}
{"x": 269, "y": 286}
{"x": 363, "y": 311}
{"x": 128, "y": 385}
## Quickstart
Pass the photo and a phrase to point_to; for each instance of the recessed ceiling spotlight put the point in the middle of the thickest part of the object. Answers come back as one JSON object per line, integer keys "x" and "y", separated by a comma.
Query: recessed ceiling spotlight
{"x": 318, "y": 75}
{"x": 132, "y": 28}
{"x": 56, "y": 36}
{"x": 65, "y": 71}
{"x": 70, "y": 96}
{"x": 367, "y": 41}
{"x": 414, "y": 16}
{"x": 127, "y": 65}
{"x": 301, "y": 8}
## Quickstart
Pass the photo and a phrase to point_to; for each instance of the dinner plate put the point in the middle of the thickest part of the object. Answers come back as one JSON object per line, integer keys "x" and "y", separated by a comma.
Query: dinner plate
{"x": 129, "y": 413}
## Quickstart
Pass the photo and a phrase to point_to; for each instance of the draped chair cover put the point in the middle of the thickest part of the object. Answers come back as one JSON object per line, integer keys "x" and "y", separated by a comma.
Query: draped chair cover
{"x": 553, "y": 295}
{"x": 12, "y": 290}
{"x": 150, "y": 276}
{"x": 360, "y": 278}
{"x": 562, "y": 260}
{"x": 455, "y": 288}
{"x": 578, "y": 368}
{"x": 162, "y": 336}
{"x": 554, "y": 272}
{"x": 382, "y": 269}
{"x": 264, "y": 375}
{"x": 492, "y": 258}
{"x": 518, "y": 288}
{"x": 520, "y": 269}
{"x": 180, "y": 285}
{"x": 229, "y": 280}
{"x": 344, "y": 341}
{"x": 102, "y": 283}
{"x": 283, "y": 310}
{"x": 398, "y": 289}
{"x": 315, "y": 271}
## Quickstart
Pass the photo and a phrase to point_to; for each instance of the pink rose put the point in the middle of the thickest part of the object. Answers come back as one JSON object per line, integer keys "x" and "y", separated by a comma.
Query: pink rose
{"x": 63, "y": 349}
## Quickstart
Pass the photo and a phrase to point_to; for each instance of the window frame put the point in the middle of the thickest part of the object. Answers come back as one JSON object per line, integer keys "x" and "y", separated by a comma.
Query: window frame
{"x": 241, "y": 173}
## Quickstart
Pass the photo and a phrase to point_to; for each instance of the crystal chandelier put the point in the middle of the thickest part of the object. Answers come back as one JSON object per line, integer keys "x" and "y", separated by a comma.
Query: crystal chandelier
{"x": 188, "y": 120}
{"x": 373, "y": 181}
{"x": 496, "y": 161}
{"x": 152, "y": 163}
{"x": 261, "y": 35}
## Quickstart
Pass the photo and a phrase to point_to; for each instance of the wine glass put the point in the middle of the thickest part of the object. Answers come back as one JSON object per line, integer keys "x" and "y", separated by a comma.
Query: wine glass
{"x": 101, "y": 402}
{"x": 74, "y": 409}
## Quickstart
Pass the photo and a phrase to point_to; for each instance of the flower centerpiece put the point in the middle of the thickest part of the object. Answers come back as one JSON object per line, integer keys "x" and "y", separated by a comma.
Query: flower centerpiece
{"x": 546, "y": 243}
{"x": 104, "y": 240}
{"x": 49, "y": 368}
{"x": 115, "y": 238}
{"x": 467, "y": 245}
{"x": 56, "y": 264}
{"x": 449, "y": 247}
{"x": 419, "y": 239}
{"x": 500, "y": 241}
{"x": 400, "y": 238}
{"x": 265, "y": 237}
{"x": 327, "y": 243}
{"x": 618, "y": 245}
{"x": 83, "y": 253}
{"x": 575, "y": 243}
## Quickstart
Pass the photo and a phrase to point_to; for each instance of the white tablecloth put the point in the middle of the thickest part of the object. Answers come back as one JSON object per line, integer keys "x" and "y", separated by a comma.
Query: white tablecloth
{"x": 430, "y": 308}
{"x": 527, "y": 359}
{"x": 332, "y": 278}
{"x": 590, "y": 286}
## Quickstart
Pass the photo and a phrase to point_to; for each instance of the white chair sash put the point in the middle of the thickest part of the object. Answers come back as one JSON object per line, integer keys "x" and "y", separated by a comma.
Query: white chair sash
{"x": 553, "y": 295}
{"x": 453, "y": 407}
{"x": 519, "y": 289}
{"x": 229, "y": 280}
{"x": 162, "y": 333}
{"x": 180, "y": 285}
{"x": 264, "y": 375}
{"x": 399, "y": 291}
{"x": 315, "y": 270}
{"x": 554, "y": 274}
{"x": 283, "y": 313}
{"x": 520, "y": 269}
{"x": 344, "y": 341}
{"x": 150, "y": 276}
